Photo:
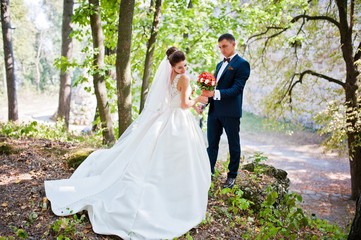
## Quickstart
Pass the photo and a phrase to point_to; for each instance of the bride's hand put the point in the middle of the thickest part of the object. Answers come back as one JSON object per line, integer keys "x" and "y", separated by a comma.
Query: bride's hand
{"x": 203, "y": 99}
{"x": 207, "y": 93}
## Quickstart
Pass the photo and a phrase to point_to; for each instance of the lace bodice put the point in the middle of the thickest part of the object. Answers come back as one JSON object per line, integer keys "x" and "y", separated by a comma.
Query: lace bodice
{"x": 175, "y": 100}
{"x": 173, "y": 86}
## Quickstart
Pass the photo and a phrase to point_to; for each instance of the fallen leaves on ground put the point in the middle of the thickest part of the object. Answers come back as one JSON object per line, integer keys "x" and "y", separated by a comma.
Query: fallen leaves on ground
{"x": 25, "y": 211}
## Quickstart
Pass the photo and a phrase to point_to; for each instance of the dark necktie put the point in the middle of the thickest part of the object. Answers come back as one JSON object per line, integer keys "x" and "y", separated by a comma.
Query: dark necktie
{"x": 226, "y": 59}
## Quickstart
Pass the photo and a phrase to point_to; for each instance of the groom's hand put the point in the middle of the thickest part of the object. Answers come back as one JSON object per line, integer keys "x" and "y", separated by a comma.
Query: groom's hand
{"x": 208, "y": 93}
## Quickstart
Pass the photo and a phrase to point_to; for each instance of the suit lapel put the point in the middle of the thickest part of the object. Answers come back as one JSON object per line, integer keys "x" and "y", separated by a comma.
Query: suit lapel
{"x": 224, "y": 71}
{"x": 234, "y": 59}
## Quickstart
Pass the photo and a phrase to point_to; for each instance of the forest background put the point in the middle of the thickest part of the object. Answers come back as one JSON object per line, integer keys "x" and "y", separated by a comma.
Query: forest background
{"x": 304, "y": 54}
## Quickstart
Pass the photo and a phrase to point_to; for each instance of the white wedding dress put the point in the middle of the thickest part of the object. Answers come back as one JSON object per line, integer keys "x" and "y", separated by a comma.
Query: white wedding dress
{"x": 153, "y": 184}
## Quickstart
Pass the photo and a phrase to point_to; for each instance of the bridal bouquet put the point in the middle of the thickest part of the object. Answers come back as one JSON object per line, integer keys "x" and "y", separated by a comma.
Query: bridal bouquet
{"x": 206, "y": 81}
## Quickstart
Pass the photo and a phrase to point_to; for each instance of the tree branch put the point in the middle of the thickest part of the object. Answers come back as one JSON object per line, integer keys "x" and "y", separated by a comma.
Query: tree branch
{"x": 301, "y": 27}
{"x": 316, "y": 18}
{"x": 310, "y": 72}
{"x": 295, "y": 19}
{"x": 329, "y": 6}
{"x": 270, "y": 37}
{"x": 265, "y": 32}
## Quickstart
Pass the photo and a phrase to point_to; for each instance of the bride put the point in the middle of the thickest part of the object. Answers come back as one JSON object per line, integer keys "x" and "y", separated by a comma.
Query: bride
{"x": 153, "y": 183}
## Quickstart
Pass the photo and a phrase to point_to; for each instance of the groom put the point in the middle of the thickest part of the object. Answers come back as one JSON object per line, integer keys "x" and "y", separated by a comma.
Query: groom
{"x": 225, "y": 105}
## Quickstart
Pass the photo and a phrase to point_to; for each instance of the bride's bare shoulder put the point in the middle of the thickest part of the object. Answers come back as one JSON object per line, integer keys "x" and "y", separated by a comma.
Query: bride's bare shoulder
{"x": 183, "y": 82}
{"x": 184, "y": 78}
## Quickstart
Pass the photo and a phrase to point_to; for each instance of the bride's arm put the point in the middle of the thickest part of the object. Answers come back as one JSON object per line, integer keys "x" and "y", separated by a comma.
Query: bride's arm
{"x": 186, "y": 102}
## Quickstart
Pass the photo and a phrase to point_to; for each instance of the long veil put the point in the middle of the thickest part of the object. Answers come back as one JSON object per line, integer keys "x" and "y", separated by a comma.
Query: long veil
{"x": 157, "y": 101}
{"x": 158, "y": 97}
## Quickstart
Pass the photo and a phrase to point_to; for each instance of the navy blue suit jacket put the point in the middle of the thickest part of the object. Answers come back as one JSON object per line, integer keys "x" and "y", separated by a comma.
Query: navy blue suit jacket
{"x": 230, "y": 85}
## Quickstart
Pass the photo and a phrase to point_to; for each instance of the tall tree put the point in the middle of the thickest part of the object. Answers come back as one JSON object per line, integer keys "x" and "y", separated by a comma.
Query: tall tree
{"x": 341, "y": 15}
{"x": 123, "y": 64}
{"x": 66, "y": 52}
{"x": 150, "y": 51}
{"x": 98, "y": 75}
{"x": 9, "y": 61}
{"x": 350, "y": 84}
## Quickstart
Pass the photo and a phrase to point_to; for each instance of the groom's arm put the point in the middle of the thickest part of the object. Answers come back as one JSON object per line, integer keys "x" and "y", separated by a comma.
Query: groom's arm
{"x": 241, "y": 76}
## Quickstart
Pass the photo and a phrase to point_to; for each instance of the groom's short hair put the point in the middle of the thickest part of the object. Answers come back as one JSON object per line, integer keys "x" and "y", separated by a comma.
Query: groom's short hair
{"x": 227, "y": 36}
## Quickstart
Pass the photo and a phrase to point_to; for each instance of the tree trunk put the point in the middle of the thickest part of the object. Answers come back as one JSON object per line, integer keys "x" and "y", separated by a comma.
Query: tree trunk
{"x": 355, "y": 168}
{"x": 123, "y": 64}
{"x": 355, "y": 231}
{"x": 9, "y": 61}
{"x": 353, "y": 133}
{"x": 98, "y": 76}
{"x": 66, "y": 52}
{"x": 351, "y": 88}
{"x": 95, "y": 126}
{"x": 4, "y": 79}
{"x": 149, "y": 54}
{"x": 353, "y": 137}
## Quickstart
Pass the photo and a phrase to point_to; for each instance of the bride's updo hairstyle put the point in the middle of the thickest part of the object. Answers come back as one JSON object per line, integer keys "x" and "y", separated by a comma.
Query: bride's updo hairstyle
{"x": 170, "y": 51}
{"x": 175, "y": 56}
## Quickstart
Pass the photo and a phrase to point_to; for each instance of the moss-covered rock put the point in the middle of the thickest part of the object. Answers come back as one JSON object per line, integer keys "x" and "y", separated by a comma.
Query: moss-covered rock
{"x": 74, "y": 159}
{"x": 258, "y": 178}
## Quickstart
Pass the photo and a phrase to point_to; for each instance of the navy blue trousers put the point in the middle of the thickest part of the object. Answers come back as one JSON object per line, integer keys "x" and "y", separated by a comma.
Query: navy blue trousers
{"x": 231, "y": 125}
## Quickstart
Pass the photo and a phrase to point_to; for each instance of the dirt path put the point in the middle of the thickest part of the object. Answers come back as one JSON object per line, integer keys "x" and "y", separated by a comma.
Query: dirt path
{"x": 31, "y": 106}
{"x": 323, "y": 180}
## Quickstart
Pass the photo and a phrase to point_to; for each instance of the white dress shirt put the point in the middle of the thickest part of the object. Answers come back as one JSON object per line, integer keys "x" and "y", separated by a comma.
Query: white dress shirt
{"x": 217, "y": 93}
